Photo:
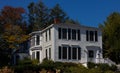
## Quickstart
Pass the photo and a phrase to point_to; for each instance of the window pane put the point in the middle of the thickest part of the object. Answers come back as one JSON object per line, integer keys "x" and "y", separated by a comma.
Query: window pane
{"x": 46, "y": 35}
{"x": 49, "y": 53}
{"x": 73, "y": 34}
{"x": 64, "y": 55}
{"x": 59, "y": 33}
{"x": 37, "y": 40}
{"x": 74, "y": 53}
{"x": 38, "y": 55}
{"x": 64, "y": 33}
{"x": 87, "y": 38}
{"x": 78, "y": 32}
{"x": 46, "y": 54}
{"x": 96, "y": 36}
{"x": 49, "y": 34}
{"x": 69, "y": 34}
{"x": 69, "y": 53}
{"x": 33, "y": 55}
{"x": 91, "y": 36}
{"x": 79, "y": 53}
{"x": 33, "y": 41}
{"x": 91, "y": 53}
{"x": 59, "y": 56}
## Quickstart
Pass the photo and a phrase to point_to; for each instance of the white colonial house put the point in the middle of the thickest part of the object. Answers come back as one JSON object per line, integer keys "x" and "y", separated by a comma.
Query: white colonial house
{"x": 67, "y": 43}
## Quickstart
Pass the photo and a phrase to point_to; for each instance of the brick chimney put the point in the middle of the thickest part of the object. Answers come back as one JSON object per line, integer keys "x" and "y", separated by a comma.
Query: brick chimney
{"x": 56, "y": 20}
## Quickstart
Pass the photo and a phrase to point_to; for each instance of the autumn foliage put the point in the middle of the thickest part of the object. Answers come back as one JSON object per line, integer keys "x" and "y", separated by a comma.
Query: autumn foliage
{"x": 12, "y": 24}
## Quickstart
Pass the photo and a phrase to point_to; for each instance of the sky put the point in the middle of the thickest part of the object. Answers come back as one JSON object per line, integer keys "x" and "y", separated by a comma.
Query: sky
{"x": 87, "y": 12}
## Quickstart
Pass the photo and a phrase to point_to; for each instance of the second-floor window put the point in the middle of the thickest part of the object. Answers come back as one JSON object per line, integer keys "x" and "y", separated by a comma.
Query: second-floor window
{"x": 49, "y": 34}
{"x": 73, "y": 34}
{"x": 91, "y": 36}
{"x": 64, "y": 33}
{"x": 37, "y": 40}
{"x": 59, "y": 33}
{"x": 69, "y": 34}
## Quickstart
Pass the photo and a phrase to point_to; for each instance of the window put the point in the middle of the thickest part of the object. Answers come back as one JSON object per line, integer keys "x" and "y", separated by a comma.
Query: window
{"x": 49, "y": 53}
{"x": 59, "y": 33}
{"x": 73, "y": 34}
{"x": 33, "y": 55}
{"x": 37, "y": 55}
{"x": 46, "y": 35}
{"x": 49, "y": 34}
{"x": 64, "y": 51}
{"x": 74, "y": 53}
{"x": 59, "y": 56}
{"x": 78, "y": 33}
{"x": 91, "y": 36}
{"x": 90, "y": 53}
{"x": 69, "y": 34}
{"x": 64, "y": 33}
{"x": 46, "y": 54}
{"x": 69, "y": 52}
{"x": 87, "y": 35}
{"x": 96, "y": 36}
{"x": 37, "y": 40}
{"x": 79, "y": 53}
{"x": 33, "y": 41}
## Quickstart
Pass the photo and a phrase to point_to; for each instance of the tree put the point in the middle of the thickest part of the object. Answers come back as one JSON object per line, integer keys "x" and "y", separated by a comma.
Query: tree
{"x": 111, "y": 37}
{"x": 57, "y": 13}
{"x": 12, "y": 32}
{"x": 38, "y": 16}
{"x": 12, "y": 22}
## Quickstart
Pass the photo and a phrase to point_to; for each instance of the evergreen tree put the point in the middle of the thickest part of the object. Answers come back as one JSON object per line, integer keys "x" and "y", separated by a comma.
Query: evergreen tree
{"x": 38, "y": 16}
{"x": 111, "y": 37}
{"x": 57, "y": 13}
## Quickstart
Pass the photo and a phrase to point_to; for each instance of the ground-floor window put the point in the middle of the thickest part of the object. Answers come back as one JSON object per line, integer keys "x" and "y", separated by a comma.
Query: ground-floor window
{"x": 69, "y": 52}
{"x": 37, "y": 55}
{"x": 90, "y": 53}
{"x": 33, "y": 55}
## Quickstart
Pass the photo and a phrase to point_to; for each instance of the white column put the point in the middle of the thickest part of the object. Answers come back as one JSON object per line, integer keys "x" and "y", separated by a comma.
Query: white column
{"x": 35, "y": 55}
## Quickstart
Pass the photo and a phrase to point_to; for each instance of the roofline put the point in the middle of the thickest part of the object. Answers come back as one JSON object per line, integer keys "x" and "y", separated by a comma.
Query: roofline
{"x": 59, "y": 25}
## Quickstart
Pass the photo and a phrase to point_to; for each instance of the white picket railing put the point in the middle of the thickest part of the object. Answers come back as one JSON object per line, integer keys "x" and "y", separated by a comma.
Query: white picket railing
{"x": 102, "y": 60}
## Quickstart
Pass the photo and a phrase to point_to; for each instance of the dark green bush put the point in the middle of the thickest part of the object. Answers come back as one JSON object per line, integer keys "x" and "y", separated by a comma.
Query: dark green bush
{"x": 103, "y": 67}
{"x": 47, "y": 64}
{"x": 113, "y": 67}
{"x": 91, "y": 65}
{"x": 58, "y": 65}
{"x": 24, "y": 62}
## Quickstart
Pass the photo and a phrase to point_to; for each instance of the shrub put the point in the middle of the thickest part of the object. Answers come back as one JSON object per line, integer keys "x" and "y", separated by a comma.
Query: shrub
{"x": 6, "y": 70}
{"x": 91, "y": 65}
{"x": 103, "y": 67}
{"x": 47, "y": 64}
{"x": 35, "y": 62}
{"x": 95, "y": 70}
{"x": 58, "y": 65}
{"x": 26, "y": 61}
{"x": 113, "y": 67}
{"x": 108, "y": 71}
{"x": 74, "y": 68}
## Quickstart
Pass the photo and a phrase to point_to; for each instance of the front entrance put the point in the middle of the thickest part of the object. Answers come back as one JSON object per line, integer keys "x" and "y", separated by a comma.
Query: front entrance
{"x": 93, "y": 54}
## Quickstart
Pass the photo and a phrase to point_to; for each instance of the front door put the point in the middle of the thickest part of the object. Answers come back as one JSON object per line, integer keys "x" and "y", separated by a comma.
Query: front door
{"x": 91, "y": 56}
